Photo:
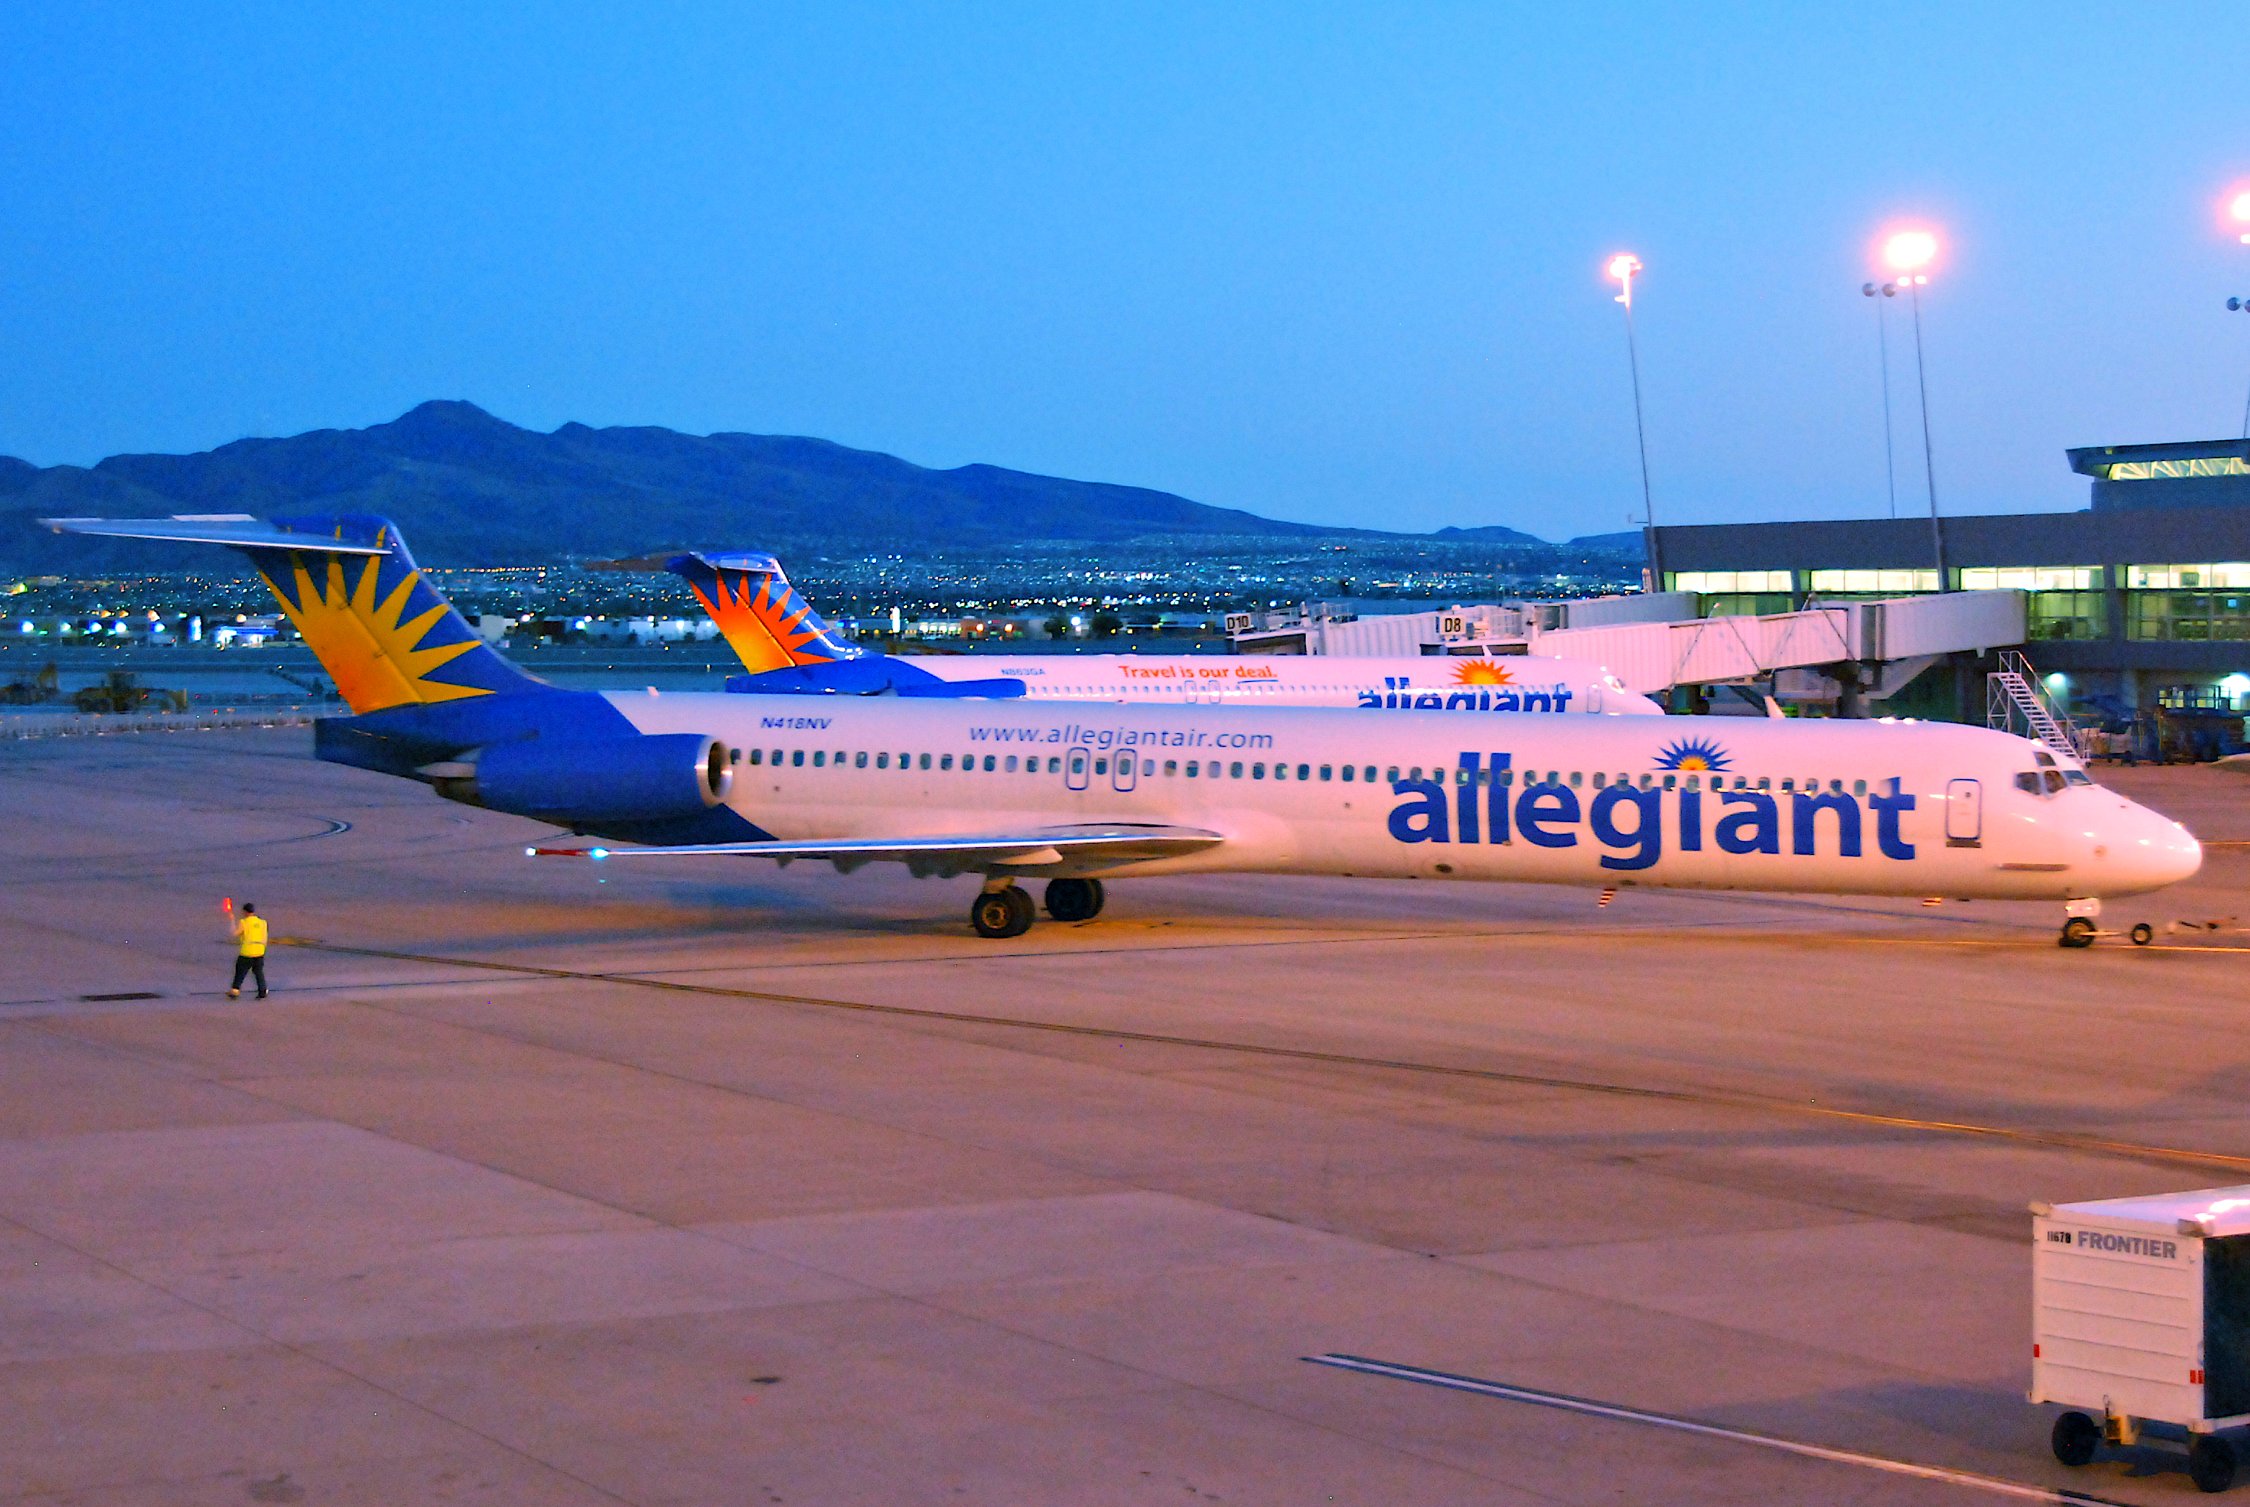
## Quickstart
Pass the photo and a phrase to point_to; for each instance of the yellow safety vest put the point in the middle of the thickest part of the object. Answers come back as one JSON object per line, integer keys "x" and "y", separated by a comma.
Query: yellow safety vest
{"x": 252, "y": 931}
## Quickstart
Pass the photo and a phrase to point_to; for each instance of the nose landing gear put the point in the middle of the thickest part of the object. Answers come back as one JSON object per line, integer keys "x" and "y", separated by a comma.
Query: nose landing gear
{"x": 2080, "y": 929}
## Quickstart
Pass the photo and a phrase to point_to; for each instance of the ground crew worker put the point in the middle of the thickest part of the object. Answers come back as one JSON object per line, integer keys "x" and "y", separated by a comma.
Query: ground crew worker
{"x": 250, "y": 951}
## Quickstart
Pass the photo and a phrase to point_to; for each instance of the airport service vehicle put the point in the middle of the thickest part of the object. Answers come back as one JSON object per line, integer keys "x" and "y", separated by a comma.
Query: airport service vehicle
{"x": 1079, "y": 793}
{"x": 787, "y": 648}
{"x": 2141, "y": 1317}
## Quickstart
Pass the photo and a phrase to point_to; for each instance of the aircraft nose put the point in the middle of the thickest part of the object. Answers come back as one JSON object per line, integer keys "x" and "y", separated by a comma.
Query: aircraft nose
{"x": 2158, "y": 851}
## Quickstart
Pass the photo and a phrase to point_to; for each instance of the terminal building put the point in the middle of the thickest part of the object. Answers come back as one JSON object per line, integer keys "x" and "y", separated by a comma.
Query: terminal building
{"x": 2135, "y": 608}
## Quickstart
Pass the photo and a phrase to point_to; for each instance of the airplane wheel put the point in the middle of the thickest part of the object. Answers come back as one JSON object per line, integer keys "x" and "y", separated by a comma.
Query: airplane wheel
{"x": 2075, "y": 1439}
{"x": 2142, "y": 934}
{"x": 2077, "y": 932}
{"x": 1074, "y": 899}
{"x": 1002, "y": 913}
{"x": 2211, "y": 1463}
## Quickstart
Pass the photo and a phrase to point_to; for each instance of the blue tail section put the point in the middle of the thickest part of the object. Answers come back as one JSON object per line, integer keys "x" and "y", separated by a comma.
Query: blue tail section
{"x": 768, "y": 625}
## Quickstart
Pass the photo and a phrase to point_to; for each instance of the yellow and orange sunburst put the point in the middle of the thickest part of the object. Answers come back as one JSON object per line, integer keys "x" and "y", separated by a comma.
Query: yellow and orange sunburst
{"x": 1482, "y": 672}
{"x": 369, "y": 648}
{"x": 763, "y": 620}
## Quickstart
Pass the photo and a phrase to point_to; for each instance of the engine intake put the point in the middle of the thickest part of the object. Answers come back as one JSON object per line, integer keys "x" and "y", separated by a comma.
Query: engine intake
{"x": 591, "y": 782}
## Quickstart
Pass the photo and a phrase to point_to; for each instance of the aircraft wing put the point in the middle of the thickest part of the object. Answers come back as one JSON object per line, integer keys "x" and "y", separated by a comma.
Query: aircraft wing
{"x": 1038, "y": 847}
{"x": 238, "y": 529}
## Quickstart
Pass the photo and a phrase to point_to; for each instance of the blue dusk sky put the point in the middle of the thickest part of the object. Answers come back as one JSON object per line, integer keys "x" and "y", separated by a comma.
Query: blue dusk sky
{"x": 1327, "y": 262}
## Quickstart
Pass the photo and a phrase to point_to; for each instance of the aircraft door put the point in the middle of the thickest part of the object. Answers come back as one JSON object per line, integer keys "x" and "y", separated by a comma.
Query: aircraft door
{"x": 1964, "y": 814}
{"x": 1124, "y": 770}
{"x": 1075, "y": 768}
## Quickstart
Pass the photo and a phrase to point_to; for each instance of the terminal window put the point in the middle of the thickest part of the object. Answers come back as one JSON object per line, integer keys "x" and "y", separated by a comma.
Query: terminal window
{"x": 1874, "y": 581}
{"x": 2233, "y": 574}
{"x": 2168, "y": 470}
{"x": 2030, "y": 577}
{"x": 1709, "y": 581}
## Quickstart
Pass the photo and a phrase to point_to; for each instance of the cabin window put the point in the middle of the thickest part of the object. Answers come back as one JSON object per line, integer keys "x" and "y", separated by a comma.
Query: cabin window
{"x": 1415, "y": 773}
{"x": 1236, "y": 770}
{"x": 797, "y": 758}
{"x": 1281, "y": 771}
{"x": 1148, "y": 766}
{"x": 991, "y": 763}
{"x": 819, "y": 758}
{"x": 1671, "y": 781}
{"x": 859, "y": 760}
{"x": 1576, "y": 778}
{"x": 1194, "y": 768}
{"x": 1507, "y": 777}
{"x": 1304, "y": 771}
{"x": 945, "y": 761}
{"x": 757, "y": 756}
{"x": 1695, "y": 782}
{"x": 1327, "y": 771}
{"x": 1257, "y": 771}
{"x": 1101, "y": 766}
{"x": 882, "y": 761}
{"x": 1010, "y": 766}
{"x": 1785, "y": 784}
{"x": 1859, "y": 787}
{"x": 1171, "y": 767}
{"x": 1600, "y": 779}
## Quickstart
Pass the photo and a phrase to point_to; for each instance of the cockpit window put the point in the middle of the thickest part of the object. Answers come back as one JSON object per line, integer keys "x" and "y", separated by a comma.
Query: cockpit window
{"x": 2040, "y": 781}
{"x": 2077, "y": 777}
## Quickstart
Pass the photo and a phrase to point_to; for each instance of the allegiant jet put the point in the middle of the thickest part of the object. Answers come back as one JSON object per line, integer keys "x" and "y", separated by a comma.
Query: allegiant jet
{"x": 787, "y": 648}
{"x": 1078, "y": 793}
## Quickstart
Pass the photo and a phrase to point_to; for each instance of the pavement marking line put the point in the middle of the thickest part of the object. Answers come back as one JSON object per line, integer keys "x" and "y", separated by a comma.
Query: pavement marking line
{"x": 1975, "y": 1480}
{"x": 2062, "y": 1140}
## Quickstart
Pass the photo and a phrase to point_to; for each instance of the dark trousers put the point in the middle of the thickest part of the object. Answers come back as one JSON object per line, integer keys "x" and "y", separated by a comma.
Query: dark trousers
{"x": 243, "y": 966}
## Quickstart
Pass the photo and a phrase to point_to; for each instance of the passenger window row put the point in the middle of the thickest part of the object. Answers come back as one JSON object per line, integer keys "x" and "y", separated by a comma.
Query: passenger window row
{"x": 1345, "y": 773}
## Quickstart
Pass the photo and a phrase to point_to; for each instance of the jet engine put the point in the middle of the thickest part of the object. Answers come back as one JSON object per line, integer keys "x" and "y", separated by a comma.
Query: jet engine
{"x": 593, "y": 782}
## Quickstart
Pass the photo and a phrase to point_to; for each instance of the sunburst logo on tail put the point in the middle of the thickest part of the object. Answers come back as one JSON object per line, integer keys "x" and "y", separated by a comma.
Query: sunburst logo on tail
{"x": 1693, "y": 754}
{"x": 764, "y": 620}
{"x": 1482, "y": 672}
{"x": 382, "y": 641}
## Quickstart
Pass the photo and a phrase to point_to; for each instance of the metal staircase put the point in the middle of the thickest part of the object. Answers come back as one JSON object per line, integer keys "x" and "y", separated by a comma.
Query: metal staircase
{"x": 2015, "y": 702}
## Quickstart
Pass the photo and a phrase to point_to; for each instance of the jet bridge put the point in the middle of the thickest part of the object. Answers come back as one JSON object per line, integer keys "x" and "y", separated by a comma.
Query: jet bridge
{"x": 1889, "y": 641}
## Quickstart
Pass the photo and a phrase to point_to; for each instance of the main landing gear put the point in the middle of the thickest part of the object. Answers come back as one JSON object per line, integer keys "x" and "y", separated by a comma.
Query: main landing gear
{"x": 1074, "y": 899}
{"x": 1004, "y": 910}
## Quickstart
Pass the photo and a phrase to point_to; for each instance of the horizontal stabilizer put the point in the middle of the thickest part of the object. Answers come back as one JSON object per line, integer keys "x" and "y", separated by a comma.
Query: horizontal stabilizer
{"x": 238, "y": 529}
{"x": 1037, "y": 848}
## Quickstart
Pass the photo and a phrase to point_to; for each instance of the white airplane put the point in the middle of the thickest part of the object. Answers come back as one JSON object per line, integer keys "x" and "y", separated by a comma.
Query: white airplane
{"x": 788, "y": 649}
{"x": 1082, "y": 793}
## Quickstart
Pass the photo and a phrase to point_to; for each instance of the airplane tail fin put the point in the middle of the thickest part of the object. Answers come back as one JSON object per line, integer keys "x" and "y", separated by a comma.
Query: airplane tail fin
{"x": 768, "y": 625}
{"x": 345, "y": 581}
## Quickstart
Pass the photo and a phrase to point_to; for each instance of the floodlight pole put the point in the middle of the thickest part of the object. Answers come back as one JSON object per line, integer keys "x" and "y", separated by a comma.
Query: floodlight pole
{"x": 1929, "y": 471}
{"x": 1883, "y": 359}
{"x": 1622, "y": 268}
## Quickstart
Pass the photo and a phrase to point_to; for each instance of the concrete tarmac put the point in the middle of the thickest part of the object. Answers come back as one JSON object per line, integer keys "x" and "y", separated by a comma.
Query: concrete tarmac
{"x": 547, "y": 1182}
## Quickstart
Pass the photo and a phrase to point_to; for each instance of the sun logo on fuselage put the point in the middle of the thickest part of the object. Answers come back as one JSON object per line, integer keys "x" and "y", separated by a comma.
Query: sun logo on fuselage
{"x": 1482, "y": 672}
{"x": 1693, "y": 754}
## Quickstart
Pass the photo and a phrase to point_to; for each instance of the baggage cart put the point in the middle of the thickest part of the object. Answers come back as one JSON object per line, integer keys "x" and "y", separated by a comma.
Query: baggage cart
{"x": 2140, "y": 1317}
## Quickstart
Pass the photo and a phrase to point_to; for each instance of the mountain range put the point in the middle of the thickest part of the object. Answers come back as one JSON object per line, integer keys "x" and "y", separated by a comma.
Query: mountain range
{"x": 471, "y": 489}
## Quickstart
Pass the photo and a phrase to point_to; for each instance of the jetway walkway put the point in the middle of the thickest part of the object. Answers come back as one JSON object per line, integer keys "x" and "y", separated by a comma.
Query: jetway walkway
{"x": 1895, "y": 639}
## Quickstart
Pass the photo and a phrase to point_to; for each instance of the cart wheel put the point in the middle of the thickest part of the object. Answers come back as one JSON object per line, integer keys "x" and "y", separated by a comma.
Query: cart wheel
{"x": 2076, "y": 1437}
{"x": 2077, "y": 932}
{"x": 2211, "y": 1462}
{"x": 2142, "y": 934}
